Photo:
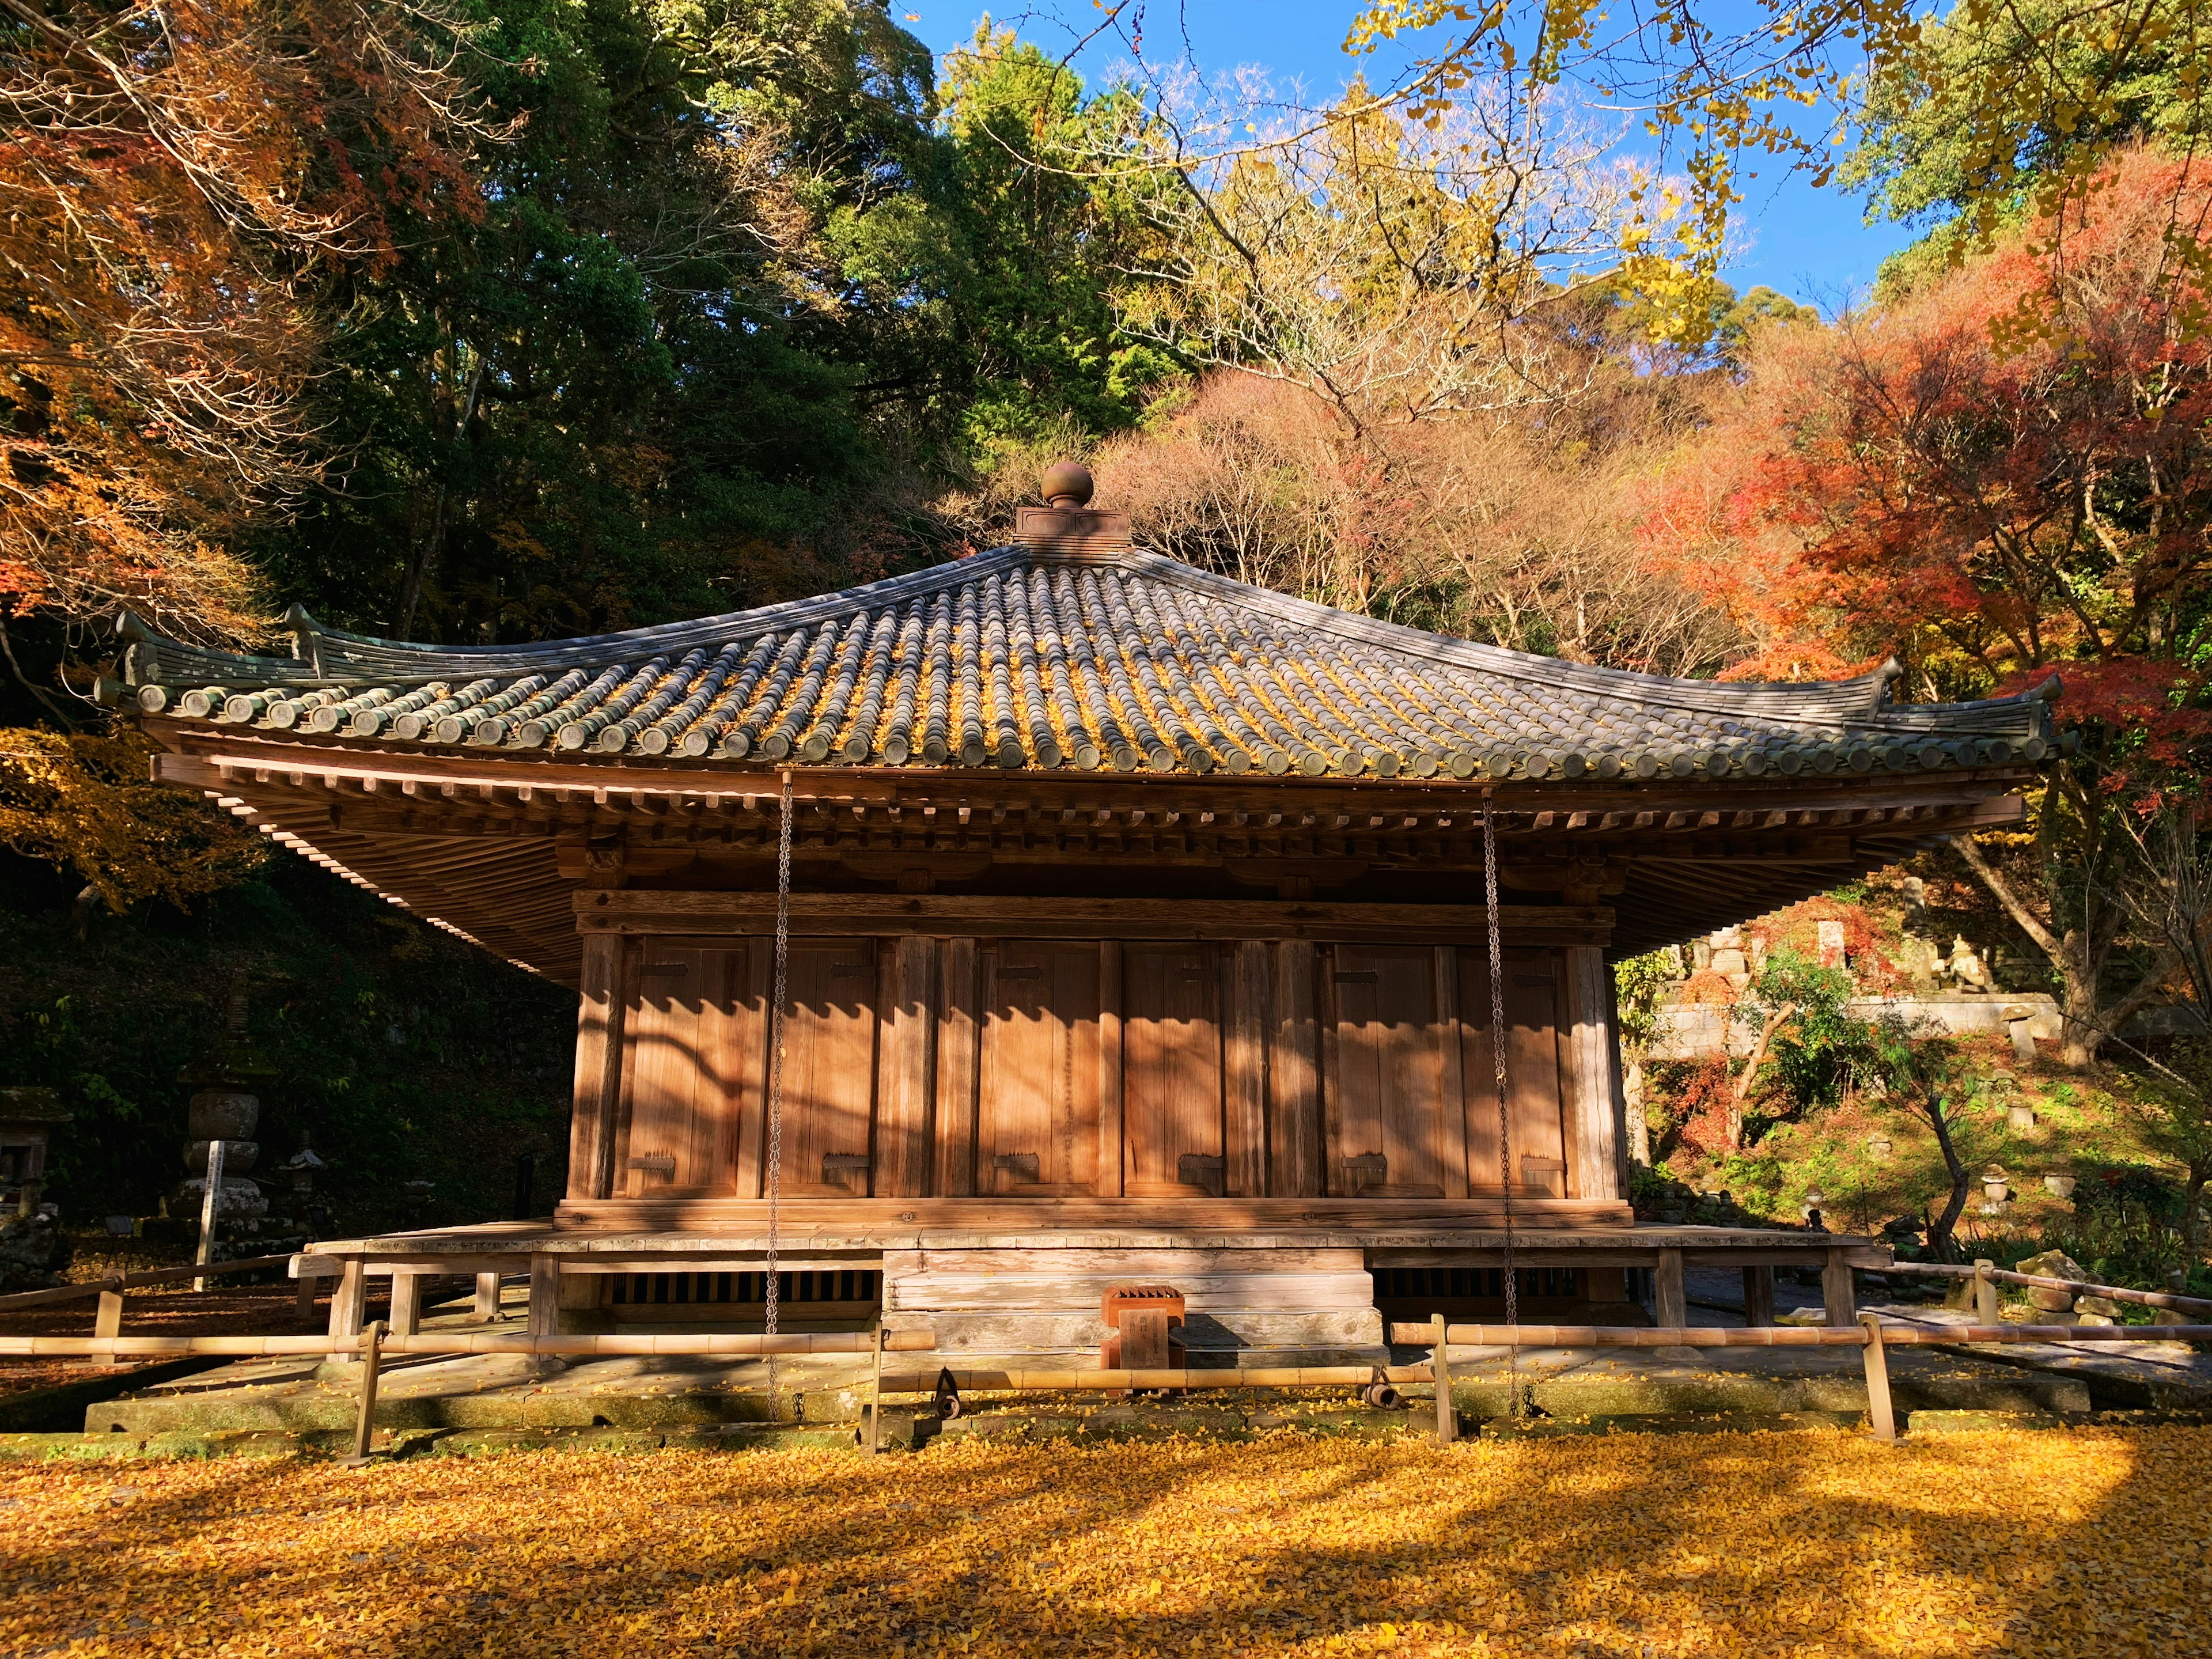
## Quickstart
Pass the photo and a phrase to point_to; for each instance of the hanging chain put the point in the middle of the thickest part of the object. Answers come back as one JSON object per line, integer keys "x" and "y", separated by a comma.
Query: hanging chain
{"x": 770, "y": 1291}
{"x": 1504, "y": 1112}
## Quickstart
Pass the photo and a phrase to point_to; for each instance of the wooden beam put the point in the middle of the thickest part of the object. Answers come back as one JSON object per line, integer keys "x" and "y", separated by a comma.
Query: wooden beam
{"x": 645, "y": 912}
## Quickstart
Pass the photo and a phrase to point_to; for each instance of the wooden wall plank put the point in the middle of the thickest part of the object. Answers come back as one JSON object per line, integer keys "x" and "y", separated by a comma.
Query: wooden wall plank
{"x": 1331, "y": 1079}
{"x": 828, "y": 1026}
{"x": 1593, "y": 1103}
{"x": 1245, "y": 1106}
{"x": 680, "y": 1079}
{"x": 1171, "y": 1067}
{"x": 1387, "y": 1084}
{"x": 1294, "y": 1161}
{"x": 906, "y": 1016}
{"x": 954, "y": 1140}
{"x": 1038, "y": 1079}
{"x": 1532, "y": 1064}
{"x": 598, "y": 1068}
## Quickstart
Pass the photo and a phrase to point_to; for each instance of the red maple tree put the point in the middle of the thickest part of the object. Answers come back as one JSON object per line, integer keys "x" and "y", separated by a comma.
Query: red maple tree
{"x": 2002, "y": 474}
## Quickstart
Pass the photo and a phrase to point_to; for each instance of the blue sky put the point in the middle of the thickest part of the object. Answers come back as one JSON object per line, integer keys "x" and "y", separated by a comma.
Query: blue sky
{"x": 1811, "y": 245}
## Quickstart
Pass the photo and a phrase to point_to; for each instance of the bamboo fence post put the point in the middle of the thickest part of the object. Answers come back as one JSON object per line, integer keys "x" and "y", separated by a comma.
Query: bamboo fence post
{"x": 372, "y": 1353}
{"x": 1440, "y": 1371}
{"x": 1985, "y": 1293}
{"x": 1880, "y": 1412}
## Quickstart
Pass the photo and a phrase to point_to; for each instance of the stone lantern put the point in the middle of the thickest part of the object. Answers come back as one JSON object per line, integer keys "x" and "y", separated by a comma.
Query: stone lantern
{"x": 225, "y": 1110}
{"x": 28, "y": 1117}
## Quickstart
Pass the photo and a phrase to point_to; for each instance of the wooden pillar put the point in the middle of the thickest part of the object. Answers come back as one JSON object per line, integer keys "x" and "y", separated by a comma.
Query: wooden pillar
{"x": 1294, "y": 1150}
{"x": 1112, "y": 1154}
{"x": 544, "y": 1295}
{"x": 906, "y": 1018}
{"x": 957, "y": 1047}
{"x": 1596, "y": 1126}
{"x": 1674, "y": 1309}
{"x": 598, "y": 1068}
{"x": 1839, "y": 1294}
{"x": 349, "y": 1298}
{"x": 1246, "y": 1082}
{"x": 1452, "y": 1090}
{"x": 487, "y": 1302}
{"x": 406, "y": 1303}
{"x": 1758, "y": 1295}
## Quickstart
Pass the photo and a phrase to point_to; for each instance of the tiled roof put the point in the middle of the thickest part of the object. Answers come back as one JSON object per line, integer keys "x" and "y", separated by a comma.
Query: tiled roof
{"x": 1037, "y": 658}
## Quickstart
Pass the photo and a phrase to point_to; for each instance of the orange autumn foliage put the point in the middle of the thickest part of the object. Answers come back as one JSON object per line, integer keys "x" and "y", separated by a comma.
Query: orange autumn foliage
{"x": 176, "y": 183}
{"x": 1985, "y": 500}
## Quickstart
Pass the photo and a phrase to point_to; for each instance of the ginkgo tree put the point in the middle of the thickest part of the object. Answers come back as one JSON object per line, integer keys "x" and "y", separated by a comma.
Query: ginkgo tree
{"x": 2014, "y": 93}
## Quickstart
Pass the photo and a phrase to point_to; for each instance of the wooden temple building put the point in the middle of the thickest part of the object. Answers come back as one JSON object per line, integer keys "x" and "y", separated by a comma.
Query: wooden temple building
{"x": 1137, "y": 932}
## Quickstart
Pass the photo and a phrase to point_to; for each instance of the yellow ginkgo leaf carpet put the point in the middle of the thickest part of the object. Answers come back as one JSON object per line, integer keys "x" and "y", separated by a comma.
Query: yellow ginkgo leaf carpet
{"x": 2089, "y": 1542}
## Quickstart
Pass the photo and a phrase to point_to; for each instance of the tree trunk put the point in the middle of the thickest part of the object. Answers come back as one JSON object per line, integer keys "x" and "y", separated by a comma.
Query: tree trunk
{"x": 1939, "y": 1234}
{"x": 1746, "y": 1079}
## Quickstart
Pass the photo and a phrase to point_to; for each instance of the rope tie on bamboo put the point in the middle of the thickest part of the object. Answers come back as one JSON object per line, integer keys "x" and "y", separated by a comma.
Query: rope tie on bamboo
{"x": 1504, "y": 1112}
{"x": 769, "y": 1294}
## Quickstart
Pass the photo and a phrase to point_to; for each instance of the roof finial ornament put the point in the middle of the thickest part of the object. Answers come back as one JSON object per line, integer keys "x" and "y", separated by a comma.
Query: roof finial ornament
{"x": 1067, "y": 484}
{"x": 1067, "y": 526}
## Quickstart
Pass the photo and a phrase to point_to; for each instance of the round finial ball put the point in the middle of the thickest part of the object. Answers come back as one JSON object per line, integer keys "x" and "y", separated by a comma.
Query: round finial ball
{"x": 1067, "y": 483}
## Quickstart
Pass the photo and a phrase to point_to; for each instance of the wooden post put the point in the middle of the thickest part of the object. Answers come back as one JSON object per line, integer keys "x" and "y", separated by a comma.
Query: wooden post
{"x": 1245, "y": 1080}
{"x": 1758, "y": 1295}
{"x": 372, "y": 1353}
{"x": 1440, "y": 1371}
{"x": 1985, "y": 1293}
{"x": 599, "y": 1010}
{"x": 348, "y": 1298}
{"x": 1839, "y": 1294}
{"x": 958, "y": 1043}
{"x": 303, "y": 1299}
{"x": 108, "y": 1322}
{"x": 906, "y": 1018}
{"x": 1112, "y": 1143}
{"x": 1674, "y": 1309}
{"x": 1880, "y": 1412}
{"x": 544, "y": 1295}
{"x": 1294, "y": 1155}
{"x": 207, "y": 1201}
{"x": 406, "y": 1303}
{"x": 1594, "y": 1114}
{"x": 876, "y": 1392}
{"x": 487, "y": 1304}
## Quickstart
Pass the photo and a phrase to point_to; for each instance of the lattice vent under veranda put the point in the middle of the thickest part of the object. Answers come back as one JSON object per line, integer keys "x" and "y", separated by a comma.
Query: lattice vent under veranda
{"x": 855, "y": 1284}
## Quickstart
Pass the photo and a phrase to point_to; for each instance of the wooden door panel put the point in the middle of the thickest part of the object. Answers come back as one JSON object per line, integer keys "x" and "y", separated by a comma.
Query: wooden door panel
{"x": 1387, "y": 1071}
{"x": 828, "y": 1066}
{"x": 1532, "y": 1064}
{"x": 690, "y": 1038}
{"x": 1037, "y": 1083}
{"x": 1171, "y": 1071}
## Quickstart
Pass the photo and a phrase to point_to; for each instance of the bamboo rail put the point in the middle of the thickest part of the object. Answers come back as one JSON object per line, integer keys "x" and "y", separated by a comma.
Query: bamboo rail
{"x": 2043, "y": 1281}
{"x": 114, "y": 1284}
{"x": 736, "y": 1344}
{"x": 1787, "y": 1336}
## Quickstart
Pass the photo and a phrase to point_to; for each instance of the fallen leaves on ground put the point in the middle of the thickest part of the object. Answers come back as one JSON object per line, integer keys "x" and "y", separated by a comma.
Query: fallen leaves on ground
{"x": 2088, "y": 1543}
